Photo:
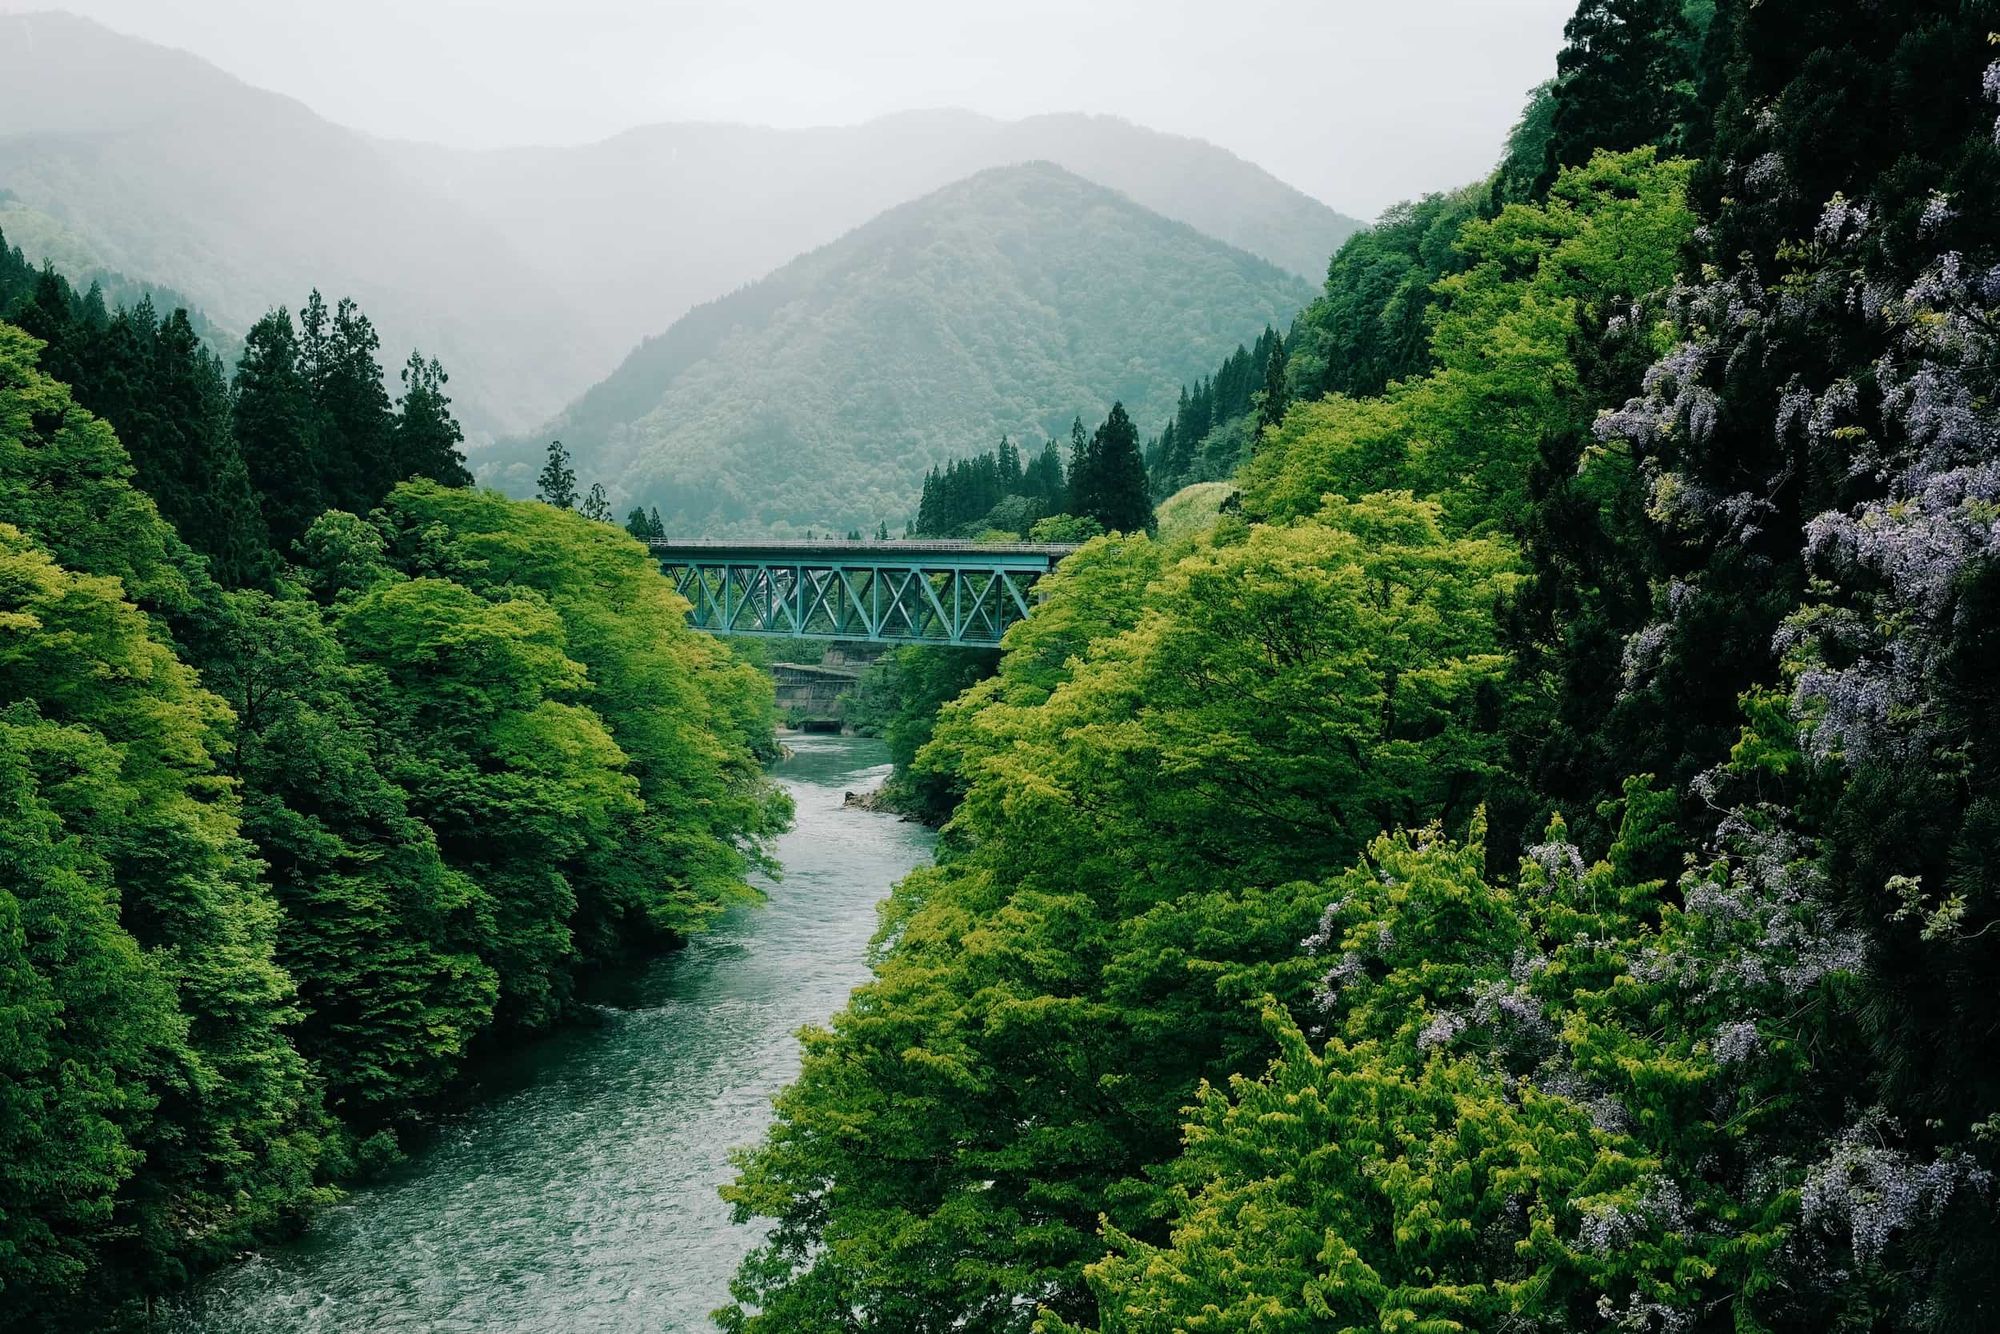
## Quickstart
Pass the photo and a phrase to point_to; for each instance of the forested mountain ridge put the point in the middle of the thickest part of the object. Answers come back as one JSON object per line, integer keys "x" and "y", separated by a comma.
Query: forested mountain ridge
{"x": 1009, "y": 303}
{"x": 665, "y": 193}
{"x": 121, "y": 155}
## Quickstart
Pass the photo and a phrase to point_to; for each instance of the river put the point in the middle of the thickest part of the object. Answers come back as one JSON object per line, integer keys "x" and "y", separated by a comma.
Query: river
{"x": 580, "y": 1193}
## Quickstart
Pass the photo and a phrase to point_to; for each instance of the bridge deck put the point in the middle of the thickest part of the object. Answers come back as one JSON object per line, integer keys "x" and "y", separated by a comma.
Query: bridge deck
{"x": 898, "y": 592}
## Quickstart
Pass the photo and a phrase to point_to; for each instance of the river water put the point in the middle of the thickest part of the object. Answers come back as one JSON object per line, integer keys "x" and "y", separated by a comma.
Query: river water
{"x": 580, "y": 1194}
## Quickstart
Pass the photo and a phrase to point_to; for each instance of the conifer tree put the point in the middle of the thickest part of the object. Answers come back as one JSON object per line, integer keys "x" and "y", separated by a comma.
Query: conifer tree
{"x": 275, "y": 429}
{"x": 427, "y": 437}
{"x": 1121, "y": 501}
{"x": 596, "y": 505}
{"x": 1624, "y": 79}
{"x": 1271, "y": 399}
{"x": 557, "y": 483}
{"x": 355, "y": 421}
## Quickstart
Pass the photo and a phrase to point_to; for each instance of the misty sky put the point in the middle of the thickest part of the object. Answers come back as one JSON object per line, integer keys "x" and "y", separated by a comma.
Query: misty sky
{"x": 1360, "y": 103}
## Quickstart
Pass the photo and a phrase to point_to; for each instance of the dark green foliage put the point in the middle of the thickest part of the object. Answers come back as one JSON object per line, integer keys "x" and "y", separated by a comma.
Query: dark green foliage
{"x": 241, "y": 470}
{"x": 427, "y": 437}
{"x": 557, "y": 483}
{"x": 1207, "y": 436}
{"x": 166, "y": 393}
{"x": 1108, "y": 482}
{"x": 990, "y": 492}
{"x": 898, "y": 699}
{"x": 1371, "y": 325}
{"x": 276, "y": 427}
{"x": 228, "y": 1125}
{"x": 379, "y": 932}
{"x": 1624, "y": 79}
{"x": 1518, "y": 178}
{"x": 354, "y": 449}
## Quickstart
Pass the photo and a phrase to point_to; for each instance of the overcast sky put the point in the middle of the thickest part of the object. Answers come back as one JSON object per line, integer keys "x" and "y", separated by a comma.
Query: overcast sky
{"x": 1360, "y": 102}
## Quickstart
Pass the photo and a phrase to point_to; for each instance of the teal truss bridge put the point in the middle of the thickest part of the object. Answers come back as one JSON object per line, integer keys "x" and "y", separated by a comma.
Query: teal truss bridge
{"x": 913, "y": 592}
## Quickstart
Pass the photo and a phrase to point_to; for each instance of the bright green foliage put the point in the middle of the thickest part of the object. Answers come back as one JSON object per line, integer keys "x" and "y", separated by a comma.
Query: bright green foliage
{"x": 1193, "y": 509}
{"x": 686, "y": 716}
{"x": 1531, "y": 1107}
{"x": 378, "y": 931}
{"x": 1166, "y": 749}
{"x": 516, "y": 780}
{"x": 1468, "y": 432}
{"x": 464, "y": 761}
{"x": 89, "y": 1030}
{"x": 65, "y": 481}
{"x": 112, "y": 742}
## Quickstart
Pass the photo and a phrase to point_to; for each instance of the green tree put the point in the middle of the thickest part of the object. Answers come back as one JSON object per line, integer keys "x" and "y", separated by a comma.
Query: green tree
{"x": 275, "y": 427}
{"x": 1050, "y": 996}
{"x": 427, "y": 441}
{"x": 1550, "y": 1105}
{"x": 378, "y": 932}
{"x": 557, "y": 483}
{"x": 1115, "y": 492}
{"x": 355, "y": 439}
{"x": 234, "y": 1136}
{"x": 1624, "y": 80}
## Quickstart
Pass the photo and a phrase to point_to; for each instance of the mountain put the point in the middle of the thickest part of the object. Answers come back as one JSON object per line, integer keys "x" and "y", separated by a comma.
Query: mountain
{"x": 680, "y": 214}
{"x": 527, "y": 271}
{"x": 119, "y": 155}
{"x": 1011, "y": 302}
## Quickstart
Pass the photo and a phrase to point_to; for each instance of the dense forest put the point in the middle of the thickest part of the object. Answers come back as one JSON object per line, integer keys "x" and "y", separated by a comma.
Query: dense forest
{"x": 320, "y": 773}
{"x": 1102, "y": 487}
{"x": 1531, "y": 865}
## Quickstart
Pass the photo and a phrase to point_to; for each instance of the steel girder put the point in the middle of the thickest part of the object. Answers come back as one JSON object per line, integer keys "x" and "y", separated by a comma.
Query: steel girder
{"x": 962, "y": 594}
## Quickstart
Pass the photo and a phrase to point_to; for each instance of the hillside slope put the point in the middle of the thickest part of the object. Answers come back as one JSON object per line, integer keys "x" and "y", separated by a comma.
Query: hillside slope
{"x": 1010, "y": 301}
{"x": 681, "y": 214}
{"x": 119, "y": 155}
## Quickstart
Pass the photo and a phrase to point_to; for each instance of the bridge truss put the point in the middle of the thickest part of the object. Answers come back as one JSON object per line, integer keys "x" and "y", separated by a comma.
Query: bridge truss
{"x": 917, "y": 592}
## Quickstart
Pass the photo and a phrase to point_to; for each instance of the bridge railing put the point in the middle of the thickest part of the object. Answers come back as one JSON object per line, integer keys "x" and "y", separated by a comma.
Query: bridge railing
{"x": 915, "y": 592}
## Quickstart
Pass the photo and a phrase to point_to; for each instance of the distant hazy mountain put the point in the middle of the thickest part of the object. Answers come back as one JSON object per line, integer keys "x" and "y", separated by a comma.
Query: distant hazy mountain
{"x": 528, "y": 271}
{"x": 121, "y": 155}
{"x": 646, "y": 225}
{"x": 1011, "y": 301}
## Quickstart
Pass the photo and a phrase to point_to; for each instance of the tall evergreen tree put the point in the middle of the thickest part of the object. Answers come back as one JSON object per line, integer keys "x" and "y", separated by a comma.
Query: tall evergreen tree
{"x": 276, "y": 429}
{"x": 356, "y": 422}
{"x": 1624, "y": 79}
{"x": 1272, "y": 399}
{"x": 427, "y": 437}
{"x": 1117, "y": 494}
{"x": 557, "y": 483}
